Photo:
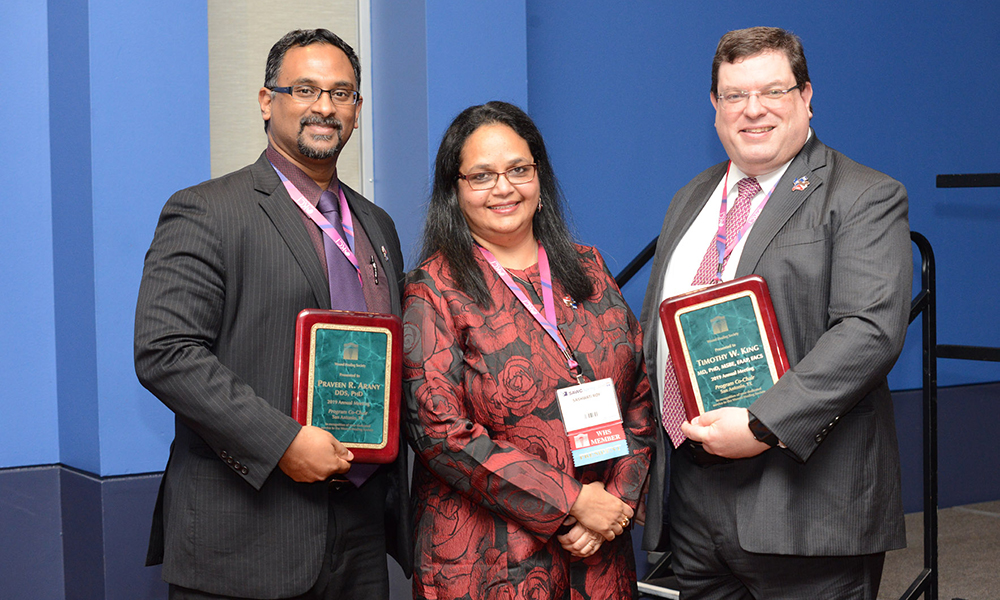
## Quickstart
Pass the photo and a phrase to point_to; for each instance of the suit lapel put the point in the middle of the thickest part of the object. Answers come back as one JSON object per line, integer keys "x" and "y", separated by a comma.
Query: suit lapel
{"x": 783, "y": 203}
{"x": 286, "y": 217}
{"x": 676, "y": 222}
{"x": 687, "y": 210}
{"x": 690, "y": 210}
{"x": 361, "y": 209}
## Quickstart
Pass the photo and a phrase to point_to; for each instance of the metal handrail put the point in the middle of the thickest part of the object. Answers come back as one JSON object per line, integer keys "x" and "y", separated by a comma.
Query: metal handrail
{"x": 924, "y": 304}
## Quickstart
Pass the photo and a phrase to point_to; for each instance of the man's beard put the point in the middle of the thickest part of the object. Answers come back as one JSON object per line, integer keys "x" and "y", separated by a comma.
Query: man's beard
{"x": 316, "y": 153}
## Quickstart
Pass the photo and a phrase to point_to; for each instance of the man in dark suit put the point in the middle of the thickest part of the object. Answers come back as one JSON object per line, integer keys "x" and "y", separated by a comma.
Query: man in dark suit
{"x": 799, "y": 496}
{"x": 253, "y": 505}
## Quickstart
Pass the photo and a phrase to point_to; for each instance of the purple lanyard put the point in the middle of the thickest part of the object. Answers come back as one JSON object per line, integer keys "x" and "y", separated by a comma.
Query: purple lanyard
{"x": 548, "y": 321}
{"x": 720, "y": 237}
{"x": 346, "y": 221}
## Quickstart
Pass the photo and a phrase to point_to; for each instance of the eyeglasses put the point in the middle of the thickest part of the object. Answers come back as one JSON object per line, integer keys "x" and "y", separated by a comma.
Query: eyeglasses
{"x": 309, "y": 93}
{"x": 485, "y": 180}
{"x": 737, "y": 100}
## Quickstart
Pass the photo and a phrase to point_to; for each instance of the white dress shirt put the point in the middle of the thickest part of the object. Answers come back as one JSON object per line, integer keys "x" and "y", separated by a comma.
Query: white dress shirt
{"x": 687, "y": 256}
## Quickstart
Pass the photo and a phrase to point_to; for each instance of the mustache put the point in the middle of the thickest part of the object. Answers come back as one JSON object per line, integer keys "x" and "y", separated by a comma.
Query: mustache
{"x": 316, "y": 120}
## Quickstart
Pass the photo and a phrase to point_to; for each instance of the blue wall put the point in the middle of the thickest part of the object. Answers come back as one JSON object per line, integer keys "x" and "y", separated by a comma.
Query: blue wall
{"x": 106, "y": 114}
{"x": 29, "y": 426}
{"x": 906, "y": 88}
{"x": 431, "y": 60}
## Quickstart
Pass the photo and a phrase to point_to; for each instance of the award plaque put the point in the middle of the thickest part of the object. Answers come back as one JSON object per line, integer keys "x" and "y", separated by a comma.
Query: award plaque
{"x": 348, "y": 377}
{"x": 724, "y": 344}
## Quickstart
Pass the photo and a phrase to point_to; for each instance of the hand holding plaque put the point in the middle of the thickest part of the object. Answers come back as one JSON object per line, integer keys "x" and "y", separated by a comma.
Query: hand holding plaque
{"x": 348, "y": 377}
{"x": 725, "y": 345}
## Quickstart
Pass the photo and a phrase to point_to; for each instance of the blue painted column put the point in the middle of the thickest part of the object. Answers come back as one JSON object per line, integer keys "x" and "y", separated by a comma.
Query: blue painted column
{"x": 431, "y": 59}
{"x": 106, "y": 116}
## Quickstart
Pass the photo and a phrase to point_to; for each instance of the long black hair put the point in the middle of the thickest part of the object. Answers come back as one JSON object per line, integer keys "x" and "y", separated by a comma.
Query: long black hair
{"x": 447, "y": 231}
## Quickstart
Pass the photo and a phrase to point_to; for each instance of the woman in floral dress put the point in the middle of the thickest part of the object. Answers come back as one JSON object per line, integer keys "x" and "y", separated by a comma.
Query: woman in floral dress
{"x": 501, "y": 510}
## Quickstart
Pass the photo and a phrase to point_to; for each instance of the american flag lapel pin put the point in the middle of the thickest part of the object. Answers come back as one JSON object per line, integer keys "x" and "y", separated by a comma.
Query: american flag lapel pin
{"x": 385, "y": 254}
{"x": 800, "y": 184}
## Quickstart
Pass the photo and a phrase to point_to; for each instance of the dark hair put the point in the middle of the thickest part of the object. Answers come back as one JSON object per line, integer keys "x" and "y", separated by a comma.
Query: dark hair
{"x": 305, "y": 37}
{"x": 446, "y": 230}
{"x": 743, "y": 43}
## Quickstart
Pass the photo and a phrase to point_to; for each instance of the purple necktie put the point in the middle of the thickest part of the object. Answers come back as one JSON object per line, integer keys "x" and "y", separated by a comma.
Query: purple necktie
{"x": 673, "y": 405}
{"x": 345, "y": 287}
{"x": 345, "y": 293}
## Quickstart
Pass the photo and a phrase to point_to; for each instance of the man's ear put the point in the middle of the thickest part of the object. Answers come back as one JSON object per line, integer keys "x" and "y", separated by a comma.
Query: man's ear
{"x": 357, "y": 111}
{"x": 264, "y": 97}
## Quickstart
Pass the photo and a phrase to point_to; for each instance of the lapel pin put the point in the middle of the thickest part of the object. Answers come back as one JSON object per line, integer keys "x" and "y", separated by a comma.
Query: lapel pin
{"x": 569, "y": 302}
{"x": 385, "y": 254}
{"x": 800, "y": 184}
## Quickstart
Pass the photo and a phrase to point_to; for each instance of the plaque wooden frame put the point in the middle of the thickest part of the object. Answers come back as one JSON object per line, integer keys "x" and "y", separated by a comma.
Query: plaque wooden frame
{"x": 307, "y": 325}
{"x": 682, "y": 357}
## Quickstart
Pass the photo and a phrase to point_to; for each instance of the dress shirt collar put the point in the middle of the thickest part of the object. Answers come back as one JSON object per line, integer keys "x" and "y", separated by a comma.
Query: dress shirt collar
{"x": 298, "y": 177}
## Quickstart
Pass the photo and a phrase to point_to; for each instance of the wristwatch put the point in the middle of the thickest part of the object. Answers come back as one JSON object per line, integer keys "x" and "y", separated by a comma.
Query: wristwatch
{"x": 760, "y": 431}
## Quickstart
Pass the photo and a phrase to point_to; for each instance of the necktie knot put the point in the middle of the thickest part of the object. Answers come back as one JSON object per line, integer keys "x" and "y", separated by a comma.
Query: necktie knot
{"x": 736, "y": 216}
{"x": 748, "y": 187}
{"x": 328, "y": 203}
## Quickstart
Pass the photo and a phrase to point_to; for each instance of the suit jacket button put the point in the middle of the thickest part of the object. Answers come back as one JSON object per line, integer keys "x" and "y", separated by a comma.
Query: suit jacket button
{"x": 244, "y": 470}
{"x": 819, "y": 438}
{"x": 230, "y": 461}
{"x": 224, "y": 454}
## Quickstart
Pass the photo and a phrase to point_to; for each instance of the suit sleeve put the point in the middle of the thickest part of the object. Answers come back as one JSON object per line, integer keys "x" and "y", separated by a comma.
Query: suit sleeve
{"x": 178, "y": 319}
{"x": 870, "y": 275}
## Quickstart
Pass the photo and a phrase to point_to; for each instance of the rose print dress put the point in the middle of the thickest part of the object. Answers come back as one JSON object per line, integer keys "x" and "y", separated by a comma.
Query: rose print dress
{"x": 494, "y": 478}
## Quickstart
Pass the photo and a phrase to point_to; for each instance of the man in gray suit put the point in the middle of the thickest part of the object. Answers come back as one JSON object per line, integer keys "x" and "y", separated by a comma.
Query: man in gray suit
{"x": 253, "y": 505}
{"x": 799, "y": 496}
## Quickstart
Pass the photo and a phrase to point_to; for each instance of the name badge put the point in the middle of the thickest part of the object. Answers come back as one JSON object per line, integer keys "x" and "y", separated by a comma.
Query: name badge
{"x": 593, "y": 421}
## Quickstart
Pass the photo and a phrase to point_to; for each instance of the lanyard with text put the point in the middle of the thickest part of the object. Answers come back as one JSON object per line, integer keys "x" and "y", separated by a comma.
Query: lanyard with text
{"x": 325, "y": 226}
{"x": 548, "y": 321}
{"x": 720, "y": 237}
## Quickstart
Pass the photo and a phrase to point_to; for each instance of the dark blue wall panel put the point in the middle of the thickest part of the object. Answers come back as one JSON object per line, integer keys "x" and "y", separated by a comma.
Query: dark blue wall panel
{"x": 31, "y": 565}
{"x": 69, "y": 535}
{"x": 127, "y": 513}
{"x": 82, "y": 535}
{"x": 967, "y": 467}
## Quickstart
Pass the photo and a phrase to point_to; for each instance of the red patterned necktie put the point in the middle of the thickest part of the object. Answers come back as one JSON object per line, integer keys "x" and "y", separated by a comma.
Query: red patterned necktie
{"x": 736, "y": 217}
{"x": 673, "y": 405}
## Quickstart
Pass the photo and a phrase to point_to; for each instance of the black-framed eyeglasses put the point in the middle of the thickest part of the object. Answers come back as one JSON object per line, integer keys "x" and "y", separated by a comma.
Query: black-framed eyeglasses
{"x": 739, "y": 98}
{"x": 486, "y": 180}
{"x": 310, "y": 93}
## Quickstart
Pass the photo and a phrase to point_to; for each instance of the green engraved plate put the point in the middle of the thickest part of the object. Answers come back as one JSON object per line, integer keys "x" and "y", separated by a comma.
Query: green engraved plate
{"x": 348, "y": 391}
{"x": 728, "y": 358}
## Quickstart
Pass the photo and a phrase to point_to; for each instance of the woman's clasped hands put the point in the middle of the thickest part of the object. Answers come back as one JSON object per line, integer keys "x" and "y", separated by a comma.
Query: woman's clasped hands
{"x": 596, "y": 516}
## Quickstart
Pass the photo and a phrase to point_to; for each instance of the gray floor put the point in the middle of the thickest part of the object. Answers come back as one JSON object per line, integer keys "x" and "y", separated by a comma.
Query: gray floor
{"x": 968, "y": 554}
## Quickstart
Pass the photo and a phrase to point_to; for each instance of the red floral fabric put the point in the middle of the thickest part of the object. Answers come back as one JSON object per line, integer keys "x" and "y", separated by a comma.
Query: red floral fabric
{"x": 495, "y": 475}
